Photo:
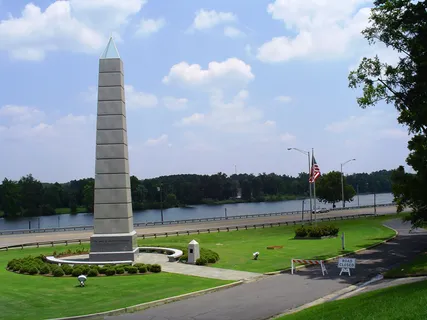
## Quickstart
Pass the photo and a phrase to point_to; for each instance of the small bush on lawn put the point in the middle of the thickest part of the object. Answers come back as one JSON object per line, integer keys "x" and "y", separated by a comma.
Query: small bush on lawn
{"x": 110, "y": 272}
{"x": 132, "y": 270}
{"x": 142, "y": 269}
{"x": 85, "y": 268}
{"x": 155, "y": 268}
{"x": 44, "y": 269}
{"x": 33, "y": 270}
{"x": 67, "y": 269}
{"x": 316, "y": 231}
{"x": 120, "y": 270}
{"x": 103, "y": 270}
{"x": 301, "y": 232}
{"x": 93, "y": 272}
{"x": 201, "y": 262}
{"x": 76, "y": 272}
{"x": 58, "y": 272}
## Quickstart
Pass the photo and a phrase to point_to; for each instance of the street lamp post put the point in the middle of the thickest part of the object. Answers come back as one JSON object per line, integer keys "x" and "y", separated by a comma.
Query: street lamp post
{"x": 309, "y": 184}
{"x": 342, "y": 181}
{"x": 160, "y": 189}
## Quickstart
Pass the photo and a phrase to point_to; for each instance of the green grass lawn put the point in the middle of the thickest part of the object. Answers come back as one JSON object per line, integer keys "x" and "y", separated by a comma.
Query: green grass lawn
{"x": 416, "y": 267}
{"x": 235, "y": 248}
{"x": 39, "y": 297}
{"x": 404, "y": 302}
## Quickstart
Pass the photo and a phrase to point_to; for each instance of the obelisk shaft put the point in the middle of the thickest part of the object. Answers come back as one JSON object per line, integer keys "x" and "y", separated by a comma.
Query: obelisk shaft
{"x": 114, "y": 236}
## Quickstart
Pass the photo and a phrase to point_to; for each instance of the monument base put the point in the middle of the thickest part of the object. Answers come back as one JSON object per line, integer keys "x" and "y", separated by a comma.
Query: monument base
{"x": 113, "y": 247}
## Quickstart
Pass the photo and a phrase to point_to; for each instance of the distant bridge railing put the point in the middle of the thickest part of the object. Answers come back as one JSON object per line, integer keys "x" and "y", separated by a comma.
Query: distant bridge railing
{"x": 191, "y": 231}
{"x": 184, "y": 221}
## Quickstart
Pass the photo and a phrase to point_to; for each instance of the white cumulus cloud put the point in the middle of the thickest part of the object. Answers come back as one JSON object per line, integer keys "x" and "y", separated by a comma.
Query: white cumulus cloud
{"x": 73, "y": 25}
{"x": 207, "y": 19}
{"x": 150, "y": 26}
{"x": 138, "y": 99}
{"x": 232, "y": 32}
{"x": 232, "y": 69}
{"x": 323, "y": 29}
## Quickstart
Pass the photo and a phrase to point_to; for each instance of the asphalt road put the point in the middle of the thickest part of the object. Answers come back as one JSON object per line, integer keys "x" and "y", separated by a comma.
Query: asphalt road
{"x": 273, "y": 295}
{"x": 14, "y": 239}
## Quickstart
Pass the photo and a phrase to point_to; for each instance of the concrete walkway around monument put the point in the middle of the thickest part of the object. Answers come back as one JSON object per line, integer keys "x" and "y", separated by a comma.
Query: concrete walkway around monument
{"x": 193, "y": 270}
{"x": 275, "y": 294}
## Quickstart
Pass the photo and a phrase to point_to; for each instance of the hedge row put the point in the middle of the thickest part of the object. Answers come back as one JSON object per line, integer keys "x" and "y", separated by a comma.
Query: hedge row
{"x": 316, "y": 231}
{"x": 38, "y": 265}
{"x": 206, "y": 256}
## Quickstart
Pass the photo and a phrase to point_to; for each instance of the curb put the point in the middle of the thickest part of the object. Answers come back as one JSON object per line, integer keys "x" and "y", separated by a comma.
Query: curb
{"x": 150, "y": 304}
{"x": 316, "y": 302}
{"x": 339, "y": 256}
{"x": 337, "y": 295}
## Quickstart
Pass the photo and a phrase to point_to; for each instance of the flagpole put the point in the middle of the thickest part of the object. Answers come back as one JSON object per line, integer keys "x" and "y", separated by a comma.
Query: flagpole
{"x": 314, "y": 193}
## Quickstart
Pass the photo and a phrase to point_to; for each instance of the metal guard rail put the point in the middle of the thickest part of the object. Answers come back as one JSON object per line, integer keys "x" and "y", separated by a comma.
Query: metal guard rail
{"x": 194, "y": 231}
{"x": 170, "y": 222}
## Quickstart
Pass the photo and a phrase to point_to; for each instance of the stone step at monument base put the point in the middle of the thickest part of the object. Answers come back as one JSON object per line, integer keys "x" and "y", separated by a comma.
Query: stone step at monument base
{"x": 113, "y": 247}
{"x": 114, "y": 256}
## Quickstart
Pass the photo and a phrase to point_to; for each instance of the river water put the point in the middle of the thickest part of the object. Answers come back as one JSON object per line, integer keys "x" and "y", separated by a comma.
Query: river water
{"x": 195, "y": 212}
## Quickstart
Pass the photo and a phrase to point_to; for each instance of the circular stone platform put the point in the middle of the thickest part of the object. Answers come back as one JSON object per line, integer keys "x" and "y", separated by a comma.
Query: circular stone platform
{"x": 172, "y": 255}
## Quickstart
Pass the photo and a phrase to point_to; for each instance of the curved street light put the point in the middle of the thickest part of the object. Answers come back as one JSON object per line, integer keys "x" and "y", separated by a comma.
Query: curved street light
{"x": 307, "y": 153}
{"x": 342, "y": 181}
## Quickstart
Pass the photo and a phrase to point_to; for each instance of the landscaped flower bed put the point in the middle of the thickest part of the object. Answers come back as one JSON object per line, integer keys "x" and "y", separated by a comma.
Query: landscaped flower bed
{"x": 37, "y": 265}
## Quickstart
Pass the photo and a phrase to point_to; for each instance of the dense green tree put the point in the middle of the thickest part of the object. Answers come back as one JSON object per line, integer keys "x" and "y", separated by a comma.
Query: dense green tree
{"x": 401, "y": 25}
{"x": 329, "y": 189}
{"x": 10, "y": 198}
{"x": 16, "y": 198}
{"x": 32, "y": 192}
{"x": 89, "y": 195}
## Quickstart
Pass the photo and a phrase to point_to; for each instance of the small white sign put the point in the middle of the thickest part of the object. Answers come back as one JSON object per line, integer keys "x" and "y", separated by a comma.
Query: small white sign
{"x": 346, "y": 263}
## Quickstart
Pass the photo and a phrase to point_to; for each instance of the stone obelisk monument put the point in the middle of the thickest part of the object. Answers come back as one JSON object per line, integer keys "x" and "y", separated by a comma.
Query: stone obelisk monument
{"x": 114, "y": 237}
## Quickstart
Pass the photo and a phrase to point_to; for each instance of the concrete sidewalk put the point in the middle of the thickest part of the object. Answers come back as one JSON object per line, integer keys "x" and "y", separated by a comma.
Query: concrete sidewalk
{"x": 274, "y": 295}
{"x": 193, "y": 270}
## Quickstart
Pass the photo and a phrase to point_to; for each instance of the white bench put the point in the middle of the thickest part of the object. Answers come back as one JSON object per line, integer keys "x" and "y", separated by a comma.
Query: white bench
{"x": 173, "y": 254}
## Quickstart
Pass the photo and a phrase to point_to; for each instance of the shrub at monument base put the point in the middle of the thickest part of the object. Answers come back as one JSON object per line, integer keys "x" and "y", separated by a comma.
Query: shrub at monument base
{"x": 207, "y": 256}
{"x": 316, "y": 232}
{"x": 38, "y": 265}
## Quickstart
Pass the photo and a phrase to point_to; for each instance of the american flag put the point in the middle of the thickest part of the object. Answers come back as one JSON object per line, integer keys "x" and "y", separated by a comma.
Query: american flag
{"x": 315, "y": 171}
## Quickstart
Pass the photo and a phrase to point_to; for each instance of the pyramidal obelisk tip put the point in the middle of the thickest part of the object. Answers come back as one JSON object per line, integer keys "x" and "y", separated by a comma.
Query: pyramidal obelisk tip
{"x": 110, "y": 51}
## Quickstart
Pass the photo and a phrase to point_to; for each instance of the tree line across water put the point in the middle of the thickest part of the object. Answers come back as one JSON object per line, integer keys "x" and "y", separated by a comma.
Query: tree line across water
{"x": 29, "y": 197}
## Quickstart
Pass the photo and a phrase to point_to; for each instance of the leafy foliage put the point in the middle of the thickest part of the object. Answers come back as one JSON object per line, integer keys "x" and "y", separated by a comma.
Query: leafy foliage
{"x": 401, "y": 25}
{"x": 316, "y": 231}
{"x": 328, "y": 188}
{"x": 30, "y": 197}
{"x": 38, "y": 265}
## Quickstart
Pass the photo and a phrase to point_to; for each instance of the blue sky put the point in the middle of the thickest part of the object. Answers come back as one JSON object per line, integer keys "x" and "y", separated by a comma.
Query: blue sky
{"x": 209, "y": 85}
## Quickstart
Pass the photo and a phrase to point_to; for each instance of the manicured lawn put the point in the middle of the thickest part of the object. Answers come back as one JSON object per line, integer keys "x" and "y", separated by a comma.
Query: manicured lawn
{"x": 235, "y": 248}
{"x": 38, "y": 297}
{"x": 416, "y": 267}
{"x": 404, "y": 302}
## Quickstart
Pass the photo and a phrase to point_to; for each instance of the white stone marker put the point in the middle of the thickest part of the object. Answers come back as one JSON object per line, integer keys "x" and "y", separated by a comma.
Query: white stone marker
{"x": 193, "y": 252}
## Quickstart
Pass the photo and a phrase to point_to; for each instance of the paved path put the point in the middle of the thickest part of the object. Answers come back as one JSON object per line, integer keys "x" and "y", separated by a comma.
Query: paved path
{"x": 14, "y": 239}
{"x": 198, "y": 271}
{"x": 273, "y": 295}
